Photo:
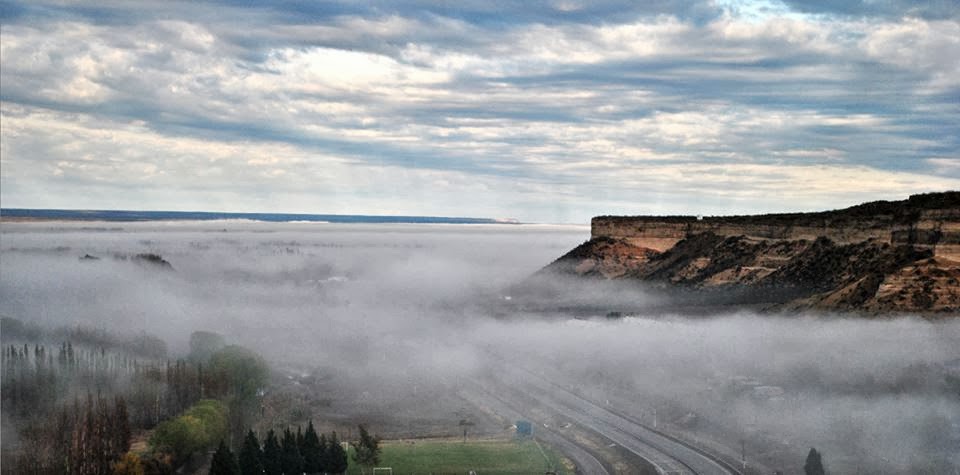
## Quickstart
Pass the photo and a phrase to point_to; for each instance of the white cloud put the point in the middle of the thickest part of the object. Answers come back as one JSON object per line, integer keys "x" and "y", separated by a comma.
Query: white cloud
{"x": 930, "y": 47}
{"x": 752, "y": 104}
{"x": 945, "y": 166}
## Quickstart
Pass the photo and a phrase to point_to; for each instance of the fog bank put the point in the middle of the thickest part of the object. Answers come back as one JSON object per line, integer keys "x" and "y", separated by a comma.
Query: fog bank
{"x": 404, "y": 305}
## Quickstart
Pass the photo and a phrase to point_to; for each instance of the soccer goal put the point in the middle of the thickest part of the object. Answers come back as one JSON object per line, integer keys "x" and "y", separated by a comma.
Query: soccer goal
{"x": 382, "y": 470}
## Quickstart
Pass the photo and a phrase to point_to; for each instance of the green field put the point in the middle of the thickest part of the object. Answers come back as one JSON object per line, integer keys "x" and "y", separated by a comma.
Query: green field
{"x": 495, "y": 457}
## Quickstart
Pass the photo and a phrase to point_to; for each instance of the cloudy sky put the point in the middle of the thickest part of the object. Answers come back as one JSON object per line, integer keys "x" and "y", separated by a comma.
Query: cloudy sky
{"x": 548, "y": 110}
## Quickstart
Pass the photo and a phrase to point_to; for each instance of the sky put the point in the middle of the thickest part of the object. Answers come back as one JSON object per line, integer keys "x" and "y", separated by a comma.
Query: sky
{"x": 542, "y": 111}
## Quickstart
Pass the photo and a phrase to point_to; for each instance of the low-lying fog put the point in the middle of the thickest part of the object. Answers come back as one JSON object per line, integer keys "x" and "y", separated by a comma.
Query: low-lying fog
{"x": 397, "y": 305}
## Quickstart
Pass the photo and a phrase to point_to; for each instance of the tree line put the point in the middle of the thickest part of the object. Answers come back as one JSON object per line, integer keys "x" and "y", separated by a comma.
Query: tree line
{"x": 290, "y": 453}
{"x": 83, "y": 439}
{"x": 53, "y": 436}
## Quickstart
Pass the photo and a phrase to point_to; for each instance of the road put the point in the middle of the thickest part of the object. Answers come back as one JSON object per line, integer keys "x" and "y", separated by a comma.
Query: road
{"x": 667, "y": 455}
{"x": 586, "y": 463}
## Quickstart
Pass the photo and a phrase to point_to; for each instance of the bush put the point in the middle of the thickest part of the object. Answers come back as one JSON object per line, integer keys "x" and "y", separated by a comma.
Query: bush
{"x": 199, "y": 428}
{"x": 129, "y": 465}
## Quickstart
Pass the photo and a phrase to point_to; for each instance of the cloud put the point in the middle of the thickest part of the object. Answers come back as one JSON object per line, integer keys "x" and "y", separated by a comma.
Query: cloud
{"x": 547, "y": 99}
{"x": 932, "y": 47}
{"x": 934, "y": 9}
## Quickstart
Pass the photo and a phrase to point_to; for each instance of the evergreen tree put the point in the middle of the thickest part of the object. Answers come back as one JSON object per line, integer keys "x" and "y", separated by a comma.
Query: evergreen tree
{"x": 223, "y": 462}
{"x": 272, "y": 455}
{"x": 814, "y": 465}
{"x": 324, "y": 461}
{"x": 291, "y": 462}
{"x": 336, "y": 457}
{"x": 311, "y": 450}
{"x": 366, "y": 450}
{"x": 251, "y": 456}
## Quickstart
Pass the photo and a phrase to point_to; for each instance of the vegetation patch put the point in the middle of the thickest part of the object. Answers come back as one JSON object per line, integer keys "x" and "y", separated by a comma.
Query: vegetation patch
{"x": 491, "y": 457}
{"x": 199, "y": 428}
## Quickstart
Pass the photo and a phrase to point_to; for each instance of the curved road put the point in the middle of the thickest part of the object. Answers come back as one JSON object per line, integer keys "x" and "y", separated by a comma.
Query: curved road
{"x": 586, "y": 463}
{"x": 669, "y": 456}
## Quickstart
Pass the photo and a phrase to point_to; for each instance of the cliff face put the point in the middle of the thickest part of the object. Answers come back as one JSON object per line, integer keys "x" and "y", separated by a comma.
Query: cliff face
{"x": 930, "y": 221}
{"x": 900, "y": 256}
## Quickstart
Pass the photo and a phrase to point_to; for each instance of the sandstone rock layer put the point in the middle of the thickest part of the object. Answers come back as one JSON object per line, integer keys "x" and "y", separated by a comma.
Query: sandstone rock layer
{"x": 885, "y": 256}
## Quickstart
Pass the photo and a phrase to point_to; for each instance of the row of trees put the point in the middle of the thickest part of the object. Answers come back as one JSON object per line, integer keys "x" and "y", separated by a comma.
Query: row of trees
{"x": 292, "y": 453}
{"x": 52, "y": 436}
{"x": 144, "y": 345}
{"x": 33, "y": 377}
{"x": 83, "y": 439}
{"x": 37, "y": 382}
{"x": 49, "y": 434}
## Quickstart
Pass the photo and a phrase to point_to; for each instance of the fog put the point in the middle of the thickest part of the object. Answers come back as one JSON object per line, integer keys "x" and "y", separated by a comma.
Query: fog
{"x": 418, "y": 306}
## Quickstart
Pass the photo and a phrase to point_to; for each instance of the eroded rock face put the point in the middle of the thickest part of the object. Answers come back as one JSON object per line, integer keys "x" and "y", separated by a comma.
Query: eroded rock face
{"x": 602, "y": 257}
{"x": 929, "y": 284}
{"x": 930, "y": 221}
{"x": 877, "y": 257}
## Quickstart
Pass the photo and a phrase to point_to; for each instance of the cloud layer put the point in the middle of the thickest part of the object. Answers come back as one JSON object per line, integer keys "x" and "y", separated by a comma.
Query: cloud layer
{"x": 544, "y": 111}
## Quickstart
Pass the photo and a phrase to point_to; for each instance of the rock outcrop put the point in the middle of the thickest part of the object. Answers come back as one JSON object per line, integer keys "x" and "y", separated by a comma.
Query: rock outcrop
{"x": 879, "y": 257}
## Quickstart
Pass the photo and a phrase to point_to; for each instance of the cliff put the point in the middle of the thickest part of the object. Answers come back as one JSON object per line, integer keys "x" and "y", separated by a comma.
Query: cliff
{"x": 885, "y": 256}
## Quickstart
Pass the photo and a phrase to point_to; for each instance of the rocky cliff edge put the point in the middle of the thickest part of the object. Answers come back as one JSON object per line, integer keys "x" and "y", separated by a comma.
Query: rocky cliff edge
{"x": 878, "y": 257}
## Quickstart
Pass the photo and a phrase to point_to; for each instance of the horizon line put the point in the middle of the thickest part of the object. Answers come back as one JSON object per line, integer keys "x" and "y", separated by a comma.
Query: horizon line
{"x": 132, "y": 215}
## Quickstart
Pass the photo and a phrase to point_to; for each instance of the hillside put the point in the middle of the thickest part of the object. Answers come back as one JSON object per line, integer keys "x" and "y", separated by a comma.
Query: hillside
{"x": 879, "y": 257}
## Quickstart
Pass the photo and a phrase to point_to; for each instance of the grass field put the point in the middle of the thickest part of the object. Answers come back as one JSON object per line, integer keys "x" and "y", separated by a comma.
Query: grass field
{"x": 494, "y": 457}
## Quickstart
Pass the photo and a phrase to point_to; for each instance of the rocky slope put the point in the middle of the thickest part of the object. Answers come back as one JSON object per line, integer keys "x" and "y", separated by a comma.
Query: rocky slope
{"x": 880, "y": 257}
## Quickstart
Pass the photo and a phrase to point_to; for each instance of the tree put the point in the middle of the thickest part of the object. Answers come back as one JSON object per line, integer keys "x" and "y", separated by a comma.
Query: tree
{"x": 335, "y": 457}
{"x": 312, "y": 451}
{"x": 251, "y": 456}
{"x": 197, "y": 429}
{"x": 272, "y": 455}
{"x": 223, "y": 462}
{"x": 366, "y": 450}
{"x": 814, "y": 465}
{"x": 325, "y": 455}
{"x": 291, "y": 461}
{"x": 238, "y": 374}
{"x": 120, "y": 432}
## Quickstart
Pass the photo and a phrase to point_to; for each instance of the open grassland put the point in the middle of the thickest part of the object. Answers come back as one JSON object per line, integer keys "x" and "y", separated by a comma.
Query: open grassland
{"x": 448, "y": 457}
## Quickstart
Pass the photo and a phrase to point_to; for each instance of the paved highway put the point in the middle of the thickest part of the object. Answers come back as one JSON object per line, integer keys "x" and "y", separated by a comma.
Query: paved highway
{"x": 586, "y": 463}
{"x": 668, "y": 456}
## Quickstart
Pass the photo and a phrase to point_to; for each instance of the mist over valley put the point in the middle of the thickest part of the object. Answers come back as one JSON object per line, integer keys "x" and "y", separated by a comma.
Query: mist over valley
{"x": 406, "y": 328}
